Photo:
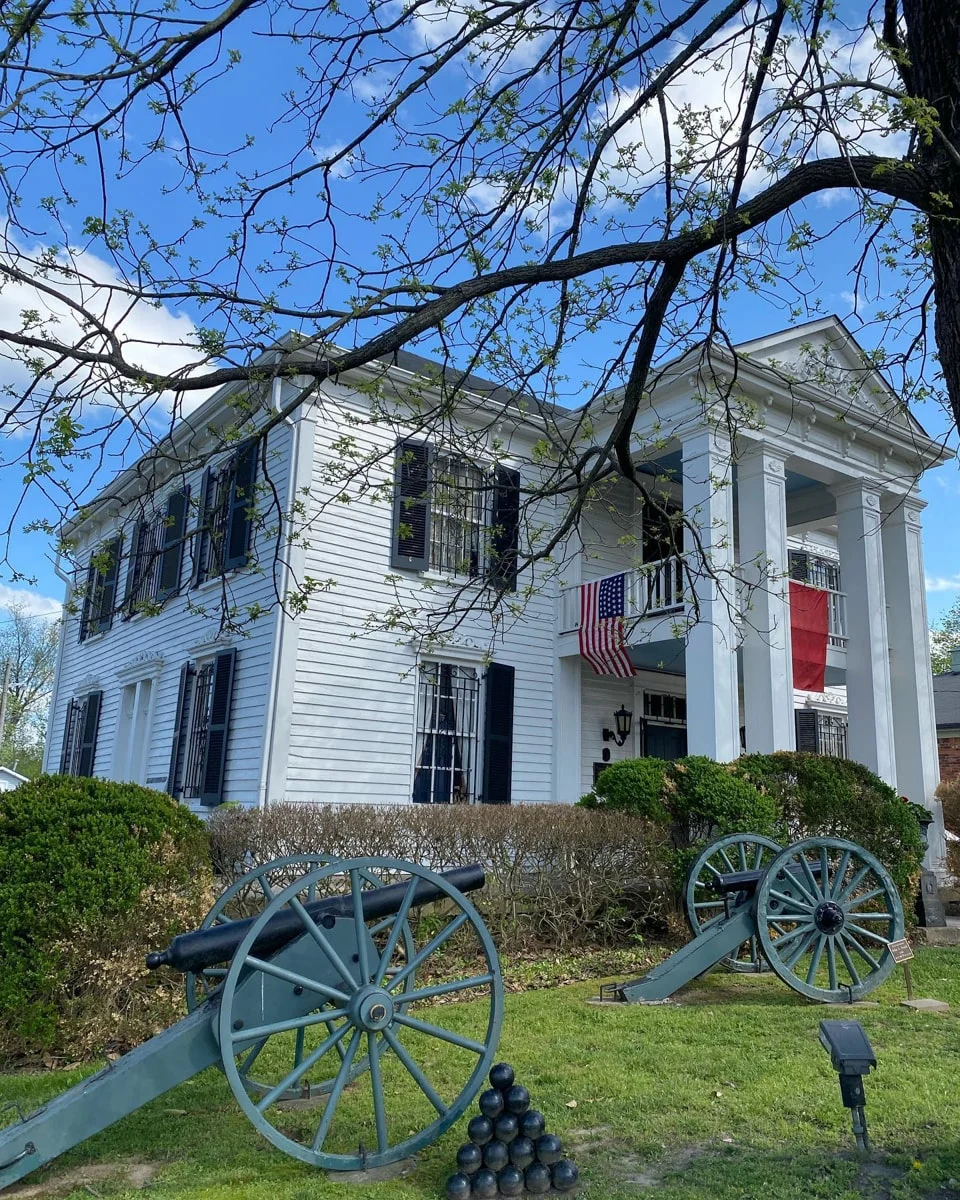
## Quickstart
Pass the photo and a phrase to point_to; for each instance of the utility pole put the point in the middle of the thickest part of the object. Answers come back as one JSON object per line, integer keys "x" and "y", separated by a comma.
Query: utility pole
{"x": 3, "y": 697}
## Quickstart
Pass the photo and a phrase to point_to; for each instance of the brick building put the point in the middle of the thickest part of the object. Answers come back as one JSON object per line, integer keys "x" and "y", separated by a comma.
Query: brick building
{"x": 946, "y": 698}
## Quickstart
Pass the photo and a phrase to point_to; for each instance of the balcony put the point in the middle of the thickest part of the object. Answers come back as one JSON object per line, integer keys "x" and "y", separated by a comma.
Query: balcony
{"x": 658, "y": 589}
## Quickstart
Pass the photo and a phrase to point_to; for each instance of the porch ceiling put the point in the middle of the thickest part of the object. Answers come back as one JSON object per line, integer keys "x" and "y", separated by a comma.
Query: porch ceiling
{"x": 666, "y": 656}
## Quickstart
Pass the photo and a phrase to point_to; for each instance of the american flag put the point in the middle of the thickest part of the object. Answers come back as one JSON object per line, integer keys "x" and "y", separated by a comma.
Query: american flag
{"x": 602, "y": 639}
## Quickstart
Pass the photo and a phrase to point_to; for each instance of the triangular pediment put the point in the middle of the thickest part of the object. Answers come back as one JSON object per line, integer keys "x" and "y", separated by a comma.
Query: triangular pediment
{"x": 823, "y": 354}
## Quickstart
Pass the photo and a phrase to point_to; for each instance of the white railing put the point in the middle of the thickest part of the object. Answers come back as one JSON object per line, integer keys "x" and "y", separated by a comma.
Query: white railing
{"x": 653, "y": 590}
{"x": 658, "y": 588}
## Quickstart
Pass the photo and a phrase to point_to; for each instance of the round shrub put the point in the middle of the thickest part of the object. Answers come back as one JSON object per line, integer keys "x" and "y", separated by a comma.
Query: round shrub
{"x": 821, "y": 796}
{"x": 92, "y": 874}
{"x": 633, "y": 785}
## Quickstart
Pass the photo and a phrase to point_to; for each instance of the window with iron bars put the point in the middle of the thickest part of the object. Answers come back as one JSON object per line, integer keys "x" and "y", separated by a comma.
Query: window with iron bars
{"x": 212, "y": 531}
{"x": 661, "y": 706}
{"x": 198, "y": 728}
{"x": 448, "y": 718}
{"x": 459, "y": 518}
{"x": 145, "y": 564}
{"x": 815, "y": 570}
{"x": 832, "y": 735}
{"x": 73, "y": 737}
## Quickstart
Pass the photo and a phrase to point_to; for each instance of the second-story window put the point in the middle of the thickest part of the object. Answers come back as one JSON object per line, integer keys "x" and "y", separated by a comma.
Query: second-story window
{"x": 156, "y": 558}
{"x": 100, "y": 589}
{"x": 452, "y": 516}
{"x": 225, "y": 519}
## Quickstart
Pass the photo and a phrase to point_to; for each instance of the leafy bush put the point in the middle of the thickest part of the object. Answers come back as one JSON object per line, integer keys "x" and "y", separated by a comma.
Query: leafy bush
{"x": 556, "y": 876}
{"x": 92, "y": 874}
{"x": 834, "y": 797}
{"x": 633, "y": 785}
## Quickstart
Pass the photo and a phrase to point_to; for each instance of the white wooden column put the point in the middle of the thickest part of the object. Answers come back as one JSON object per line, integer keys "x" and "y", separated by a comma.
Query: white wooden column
{"x": 914, "y": 720}
{"x": 870, "y": 737}
{"x": 767, "y": 664}
{"x": 567, "y": 730}
{"x": 713, "y": 707}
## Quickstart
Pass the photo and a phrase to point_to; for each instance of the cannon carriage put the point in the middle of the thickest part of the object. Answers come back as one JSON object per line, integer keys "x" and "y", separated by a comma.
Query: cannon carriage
{"x": 324, "y": 1009}
{"x": 821, "y": 914}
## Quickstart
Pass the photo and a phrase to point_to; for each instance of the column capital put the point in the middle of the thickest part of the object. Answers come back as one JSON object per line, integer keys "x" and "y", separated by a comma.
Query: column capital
{"x": 705, "y": 439}
{"x": 856, "y": 493}
{"x": 903, "y": 509}
{"x": 759, "y": 457}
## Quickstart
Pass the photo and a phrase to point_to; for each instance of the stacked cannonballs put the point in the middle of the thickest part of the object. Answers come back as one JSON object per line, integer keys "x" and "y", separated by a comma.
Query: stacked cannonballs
{"x": 509, "y": 1152}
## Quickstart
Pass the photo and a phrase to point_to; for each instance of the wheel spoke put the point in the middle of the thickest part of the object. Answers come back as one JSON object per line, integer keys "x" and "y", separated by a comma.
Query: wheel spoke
{"x": 445, "y": 1035}
{"x": 708, "y": 904}
{"x": 376, "y": 1087}
{"x": 314, "y": 930}
{"x": 860, "y": 950}
{"x": 801, "y": 950}
{"x": 825, "y": 885}
{"x": 418, "y": 1076}
{"x": 792, "y": 936}
{"x": 831, "y": 964}
{"x": 336, "y": 1092}
{"x": 727, "y": 863}
{"x": 251, "y": 1057}
{"x": 360, "y": 927}
{"x": 815, "y": 960}
{"x": 792, "y": 903}
{"x": 874, "y": 916}
{"x": 300, "y": 1069}
{"x": 434, "y": 944}
{"x": 444, "y": 989}
{"x": 298, "y": 1045}
{"x": 858, "y": 900}
{"x": 867, "y": 933}
{"x": 854, "y": 883}
{"x": 811, "y": 878}
{"x": 848, "y": 961}
{"x": 310, "y": 985}
{"x": 838, "y": 878}
{"x": 395, "y": 932}
{"x": 266, "y": 888}
{"x": 794, "y": 882}
{"x": 262, "y": 1031}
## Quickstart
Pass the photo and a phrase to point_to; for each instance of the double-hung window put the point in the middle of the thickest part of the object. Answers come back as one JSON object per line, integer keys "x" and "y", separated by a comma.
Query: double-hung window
{"x": 225, "y": 521}
{"x": 100, "y": 589}
{"x": 198, "y": 754}
{"x": 156, "y": 558}
{"x": 80, "y": 729}
{"x": 454, "y": 517}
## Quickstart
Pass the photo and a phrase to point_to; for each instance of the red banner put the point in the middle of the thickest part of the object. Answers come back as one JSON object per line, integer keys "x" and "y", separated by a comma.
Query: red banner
{"x": 808, "y": 630}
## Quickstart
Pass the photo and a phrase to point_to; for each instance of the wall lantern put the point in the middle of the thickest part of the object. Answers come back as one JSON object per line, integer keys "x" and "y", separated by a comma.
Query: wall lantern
{"x": 623, "y": 718}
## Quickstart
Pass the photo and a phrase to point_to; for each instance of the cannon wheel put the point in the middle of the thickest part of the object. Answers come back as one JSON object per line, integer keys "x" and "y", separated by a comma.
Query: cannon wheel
{"x": 826, "y": 912}
{"x": 373, "y": 1009}
{"x": 703, "y": 907}
{"x": 247, "y": 897}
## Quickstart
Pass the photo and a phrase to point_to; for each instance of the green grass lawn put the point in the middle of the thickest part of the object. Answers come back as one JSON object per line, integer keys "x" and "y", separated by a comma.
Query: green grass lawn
{"x": 727, "y": 1094}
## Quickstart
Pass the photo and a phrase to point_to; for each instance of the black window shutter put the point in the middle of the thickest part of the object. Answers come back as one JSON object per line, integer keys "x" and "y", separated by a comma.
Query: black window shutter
{"x": 799, "y": 565}
{"x": 201, "y": 537}
{"x": 69, "y": 734}
{"x": 171, "y": 559}
{"x": 498, "y": 735}
{"x": 808, "y": 730}
{"x": 177, "y": 747}
{"x": 135, "y": 566}
{"x": 90, "y": 593}
{"x": 88, "y": 734}
{"x": 505, "y": 519}
{"x": 107, "y": 599}
{"x": 239, "y": 521}
{"x": 410, "y": 549}
{"x": 215, "y": 754}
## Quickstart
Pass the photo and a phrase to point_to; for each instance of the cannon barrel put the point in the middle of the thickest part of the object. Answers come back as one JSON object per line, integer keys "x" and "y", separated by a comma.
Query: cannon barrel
{"x": 218, "y": 944}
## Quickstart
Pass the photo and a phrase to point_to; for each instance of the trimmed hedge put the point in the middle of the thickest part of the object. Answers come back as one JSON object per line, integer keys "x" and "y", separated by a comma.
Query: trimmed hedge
{"x": 556, "y": 876}
{"x": 92, "y": 875}
{"x": 787, "y": 796}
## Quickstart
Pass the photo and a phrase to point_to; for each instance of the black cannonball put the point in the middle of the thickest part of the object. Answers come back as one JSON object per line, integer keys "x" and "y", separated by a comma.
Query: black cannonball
{"x": 522, "y": 1151}
{"x": 518, "y": 1099}
{"x": 484, "y": 1185}
{"x": 491, "y": 1102}
{"x": 496, "y": 1156}
{"x": 536, "y": 1178}
{"x": 501, "y": 1076}
{"x": 564, "y": 1174}
{"x": 510, "y": 1181}
{"x": 458, "y": 1187}
{"x": 469, "y": 1158}
{"x": 506, "y": 1127}
{"x": 532, "y": 1124}
{"x": 480, "y": 1130}
{"x": 549, "y": 1148}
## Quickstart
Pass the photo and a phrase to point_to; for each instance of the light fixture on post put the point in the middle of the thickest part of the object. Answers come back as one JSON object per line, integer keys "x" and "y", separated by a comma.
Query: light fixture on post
{"x": 623, "y": 718}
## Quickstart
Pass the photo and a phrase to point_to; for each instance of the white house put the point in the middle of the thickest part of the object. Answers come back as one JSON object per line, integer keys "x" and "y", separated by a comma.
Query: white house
{"x": 817, "y": 480}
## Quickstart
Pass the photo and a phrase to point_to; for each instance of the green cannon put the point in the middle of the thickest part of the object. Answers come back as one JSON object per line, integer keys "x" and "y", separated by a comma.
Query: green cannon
{"x": 822, "y": 914}
{"x": 310, "y": 987}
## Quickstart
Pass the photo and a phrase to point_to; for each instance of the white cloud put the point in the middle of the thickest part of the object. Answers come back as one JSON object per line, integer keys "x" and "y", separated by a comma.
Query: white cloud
{"x": 33, "y": 603}
{"x": 153, "y": 337}
{"x": 942, "y": 583}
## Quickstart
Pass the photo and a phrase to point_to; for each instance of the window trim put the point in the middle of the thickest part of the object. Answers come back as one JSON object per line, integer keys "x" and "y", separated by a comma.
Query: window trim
{"x": 476, "y": 737}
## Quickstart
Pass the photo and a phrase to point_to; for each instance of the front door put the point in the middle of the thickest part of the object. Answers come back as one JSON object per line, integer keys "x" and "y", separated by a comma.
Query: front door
{"x": 665, "y": 741}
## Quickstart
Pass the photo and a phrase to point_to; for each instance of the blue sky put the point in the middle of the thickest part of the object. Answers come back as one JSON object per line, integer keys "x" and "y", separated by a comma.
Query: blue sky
{"x": 242, "y": 102}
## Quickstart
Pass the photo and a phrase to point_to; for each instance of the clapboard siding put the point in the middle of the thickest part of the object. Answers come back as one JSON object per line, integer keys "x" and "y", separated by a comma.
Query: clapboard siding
{"x": 610, "y": 532}
{"x": 354, "y": 710}
{"x": 162, "y": 643}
